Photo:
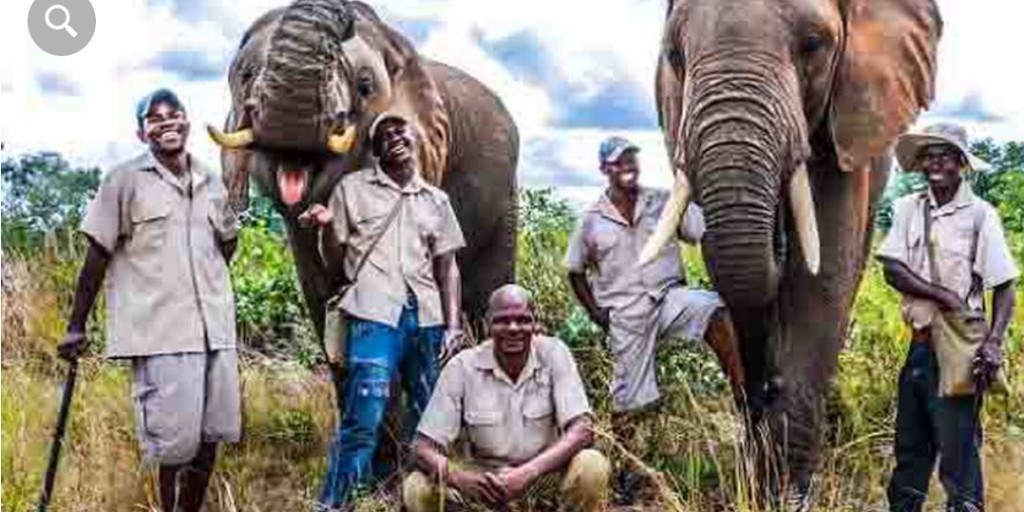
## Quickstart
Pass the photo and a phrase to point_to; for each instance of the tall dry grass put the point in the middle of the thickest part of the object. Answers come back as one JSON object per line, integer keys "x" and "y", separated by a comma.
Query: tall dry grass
{"x": 693, "y": 447}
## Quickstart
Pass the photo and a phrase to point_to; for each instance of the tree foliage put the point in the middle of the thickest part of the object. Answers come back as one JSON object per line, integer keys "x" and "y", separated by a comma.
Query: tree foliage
{"x": 43, "y": 194}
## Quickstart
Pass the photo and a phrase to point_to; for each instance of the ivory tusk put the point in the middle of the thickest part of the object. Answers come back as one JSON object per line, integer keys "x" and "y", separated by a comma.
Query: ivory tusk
{"x": 341, "y": 144}
{"x": 671, "y": 217}
{"x": 802, "y": 204}
{"x": 231, "y": 140}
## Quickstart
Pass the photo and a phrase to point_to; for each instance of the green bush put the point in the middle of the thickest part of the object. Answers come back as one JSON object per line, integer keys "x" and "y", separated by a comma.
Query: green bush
{"x": 270, "y": 307}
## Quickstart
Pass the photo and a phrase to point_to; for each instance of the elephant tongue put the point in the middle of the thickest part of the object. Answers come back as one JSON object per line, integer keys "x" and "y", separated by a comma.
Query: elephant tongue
{"x": 291, "y": 184}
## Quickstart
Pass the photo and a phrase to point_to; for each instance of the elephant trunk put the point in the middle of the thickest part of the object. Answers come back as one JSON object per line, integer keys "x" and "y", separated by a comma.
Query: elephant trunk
{"x": 292, "y": 108}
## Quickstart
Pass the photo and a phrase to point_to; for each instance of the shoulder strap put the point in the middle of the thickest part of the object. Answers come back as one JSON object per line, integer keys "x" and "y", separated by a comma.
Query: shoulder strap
{"x": 379, "y": 235}
{"x": 929, "y": 245}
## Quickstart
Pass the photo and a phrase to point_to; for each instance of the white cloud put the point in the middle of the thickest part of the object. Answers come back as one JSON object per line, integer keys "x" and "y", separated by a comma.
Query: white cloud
{"x": 586, "y": 43}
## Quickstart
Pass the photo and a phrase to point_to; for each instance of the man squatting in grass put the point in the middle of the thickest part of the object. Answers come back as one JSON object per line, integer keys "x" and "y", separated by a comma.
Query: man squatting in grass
{"x": 637, "y": 306}
{"x": 404, "y": 305}
{"x": 521, "y": 402}
{"x": 160, "y": 229}
{"x": 972, "y": 256}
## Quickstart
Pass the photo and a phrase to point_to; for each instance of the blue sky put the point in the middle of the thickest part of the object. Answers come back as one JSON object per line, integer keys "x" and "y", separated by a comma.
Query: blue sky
{"x": 570, "y": 71}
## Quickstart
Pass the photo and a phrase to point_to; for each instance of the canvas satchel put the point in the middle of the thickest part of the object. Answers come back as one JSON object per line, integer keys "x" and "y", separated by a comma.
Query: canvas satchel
{"x": 957, "y": 335}
{"x": 335, "y": 319}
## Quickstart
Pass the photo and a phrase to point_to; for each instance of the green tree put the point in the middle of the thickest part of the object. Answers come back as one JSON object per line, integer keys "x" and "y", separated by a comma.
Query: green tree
{"x": 43, "y": 194}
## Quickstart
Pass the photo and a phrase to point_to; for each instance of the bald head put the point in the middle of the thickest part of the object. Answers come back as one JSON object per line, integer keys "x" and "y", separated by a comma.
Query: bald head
{"x": 509, "y": 295}
{"x": 510, "y": 319}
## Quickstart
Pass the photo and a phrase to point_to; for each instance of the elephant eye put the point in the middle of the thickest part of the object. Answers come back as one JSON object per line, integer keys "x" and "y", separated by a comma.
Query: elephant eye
{"x": 812, "y": 43}
{"x": 677, "y": 58}
{"x": 364, "y": 85}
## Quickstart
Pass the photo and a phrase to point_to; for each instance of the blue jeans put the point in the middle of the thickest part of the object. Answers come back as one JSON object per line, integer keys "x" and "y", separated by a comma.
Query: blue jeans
{"x": 375, "y": 354}
{"x": 930, "y": 426}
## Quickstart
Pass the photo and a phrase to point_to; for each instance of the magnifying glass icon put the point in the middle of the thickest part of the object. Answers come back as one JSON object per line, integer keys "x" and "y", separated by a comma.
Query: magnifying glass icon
{"x": 60, "y": 26}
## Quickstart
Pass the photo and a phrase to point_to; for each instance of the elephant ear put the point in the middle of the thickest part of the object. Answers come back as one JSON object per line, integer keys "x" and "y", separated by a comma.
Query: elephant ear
{"x": 885, "y": 75}
{"x": 413, "y": 95}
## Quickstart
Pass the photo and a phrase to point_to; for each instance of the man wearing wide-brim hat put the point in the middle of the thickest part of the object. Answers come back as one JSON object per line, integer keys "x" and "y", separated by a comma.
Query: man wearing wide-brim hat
{"x": 969, "y": 255}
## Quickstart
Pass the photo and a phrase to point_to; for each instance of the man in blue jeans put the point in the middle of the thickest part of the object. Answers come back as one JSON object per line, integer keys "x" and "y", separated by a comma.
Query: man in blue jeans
{"x": 971, "y": 256}
{"x": 394, "y": 237}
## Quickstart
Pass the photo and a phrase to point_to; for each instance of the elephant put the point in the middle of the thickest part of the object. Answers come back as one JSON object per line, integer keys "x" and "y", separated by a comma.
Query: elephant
{"x": 779, "y": 118}
{"x": 306, "y": 82}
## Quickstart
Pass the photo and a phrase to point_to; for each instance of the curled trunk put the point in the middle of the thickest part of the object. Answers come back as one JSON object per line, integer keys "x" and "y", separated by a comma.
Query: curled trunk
{"x": 291, "y": 106}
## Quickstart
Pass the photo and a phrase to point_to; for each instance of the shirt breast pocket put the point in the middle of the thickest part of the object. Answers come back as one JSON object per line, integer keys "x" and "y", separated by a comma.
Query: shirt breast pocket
{"x": 604, "y": 242}
{"x": 485, "y": 432}
{"x": 150, "y": 224}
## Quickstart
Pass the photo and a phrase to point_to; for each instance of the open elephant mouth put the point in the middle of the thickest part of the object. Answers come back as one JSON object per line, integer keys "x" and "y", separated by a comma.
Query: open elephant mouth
{"x": 292, "y": 183}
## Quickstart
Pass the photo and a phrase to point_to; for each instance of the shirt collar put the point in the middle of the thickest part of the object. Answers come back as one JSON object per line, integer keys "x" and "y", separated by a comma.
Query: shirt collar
{"x": 380, "y": 177}
{"x": 198, "y": 171}
{"x": 963, "y": 198}
{"x": 485, "y": 360}
{"x": 608, "y": 210}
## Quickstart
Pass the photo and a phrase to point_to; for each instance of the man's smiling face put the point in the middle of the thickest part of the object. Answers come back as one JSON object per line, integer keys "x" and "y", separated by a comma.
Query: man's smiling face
{"x": 397, "y": 143}
{"x": 624, "y": 172}
{"x": 941, "y": 165}
{"x": 165, "y": 128}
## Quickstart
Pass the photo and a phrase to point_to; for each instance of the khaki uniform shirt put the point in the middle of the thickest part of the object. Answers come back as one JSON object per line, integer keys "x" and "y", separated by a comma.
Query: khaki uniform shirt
{"x": 507, "y": 422}
{"x": 402, "y": 261}
{"x": 964, "y": 223}
{"x": 607, "y": 248}
{"x": 168, "y": 288}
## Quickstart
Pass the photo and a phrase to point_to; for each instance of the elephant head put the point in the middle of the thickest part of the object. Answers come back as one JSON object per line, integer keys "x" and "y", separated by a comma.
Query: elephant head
{"x": 305, "y": 84}
{"x": 760, "y": 100}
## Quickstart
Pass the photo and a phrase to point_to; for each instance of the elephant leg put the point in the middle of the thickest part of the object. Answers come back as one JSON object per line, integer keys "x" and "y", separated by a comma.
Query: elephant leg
{"x": 313, "y": 277}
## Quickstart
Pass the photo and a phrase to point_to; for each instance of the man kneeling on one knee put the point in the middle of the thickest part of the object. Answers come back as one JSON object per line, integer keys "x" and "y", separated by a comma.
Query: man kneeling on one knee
{"x": 526, "y": 416}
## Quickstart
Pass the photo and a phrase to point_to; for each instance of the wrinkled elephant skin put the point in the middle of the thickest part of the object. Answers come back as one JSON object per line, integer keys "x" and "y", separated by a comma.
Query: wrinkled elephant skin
{"x": 780, "y": 115}
{"x": 306, "y": 82}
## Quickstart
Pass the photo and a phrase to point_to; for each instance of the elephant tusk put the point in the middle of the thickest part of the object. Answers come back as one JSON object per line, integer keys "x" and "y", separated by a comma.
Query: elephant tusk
{"x": 802, "y": 204}
{"x": 341, "y": 144}
{"x": 231, "y": 140}
{"x": 671, "y": 217}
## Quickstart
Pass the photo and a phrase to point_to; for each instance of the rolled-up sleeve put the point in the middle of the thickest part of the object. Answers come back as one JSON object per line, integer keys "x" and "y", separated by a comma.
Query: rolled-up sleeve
{"x": 895, "y": 245}
{"x": 993, "y": 260}
{"x": 106, "y": 217}
{"x": 576, "y": 255}
{"x": 442, "y": 419}
{"x": 569, "y": 393}
{"x": 449, "y": 236}
{"x": 339, "y": 212}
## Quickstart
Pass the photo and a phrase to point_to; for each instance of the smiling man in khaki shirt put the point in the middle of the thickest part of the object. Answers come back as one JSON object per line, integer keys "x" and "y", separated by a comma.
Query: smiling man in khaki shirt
{"x": 161, "y": 233}
{"x": 394, "y": 237}
{"x": 520, "y": 401}
{"x": 971, "y": 256}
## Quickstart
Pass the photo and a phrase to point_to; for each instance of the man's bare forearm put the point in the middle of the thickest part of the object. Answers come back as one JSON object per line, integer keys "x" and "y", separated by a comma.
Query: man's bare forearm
{"x": 1003, "y": 302}
{"x": 905, "y": 281}
{"x": 584, "y": 294}
{"x": 430, "y": 458}
{"x": 449, "y": 282}
{"x": 333, "y": 253}
{"x": 577, "y": 436}
{"x": 227, "y": 249}
{"x": 90, "y": 279}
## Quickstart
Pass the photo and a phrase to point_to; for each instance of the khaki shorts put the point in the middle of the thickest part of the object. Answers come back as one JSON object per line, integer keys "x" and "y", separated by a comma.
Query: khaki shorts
{"x": 182, "y": 400}
{"x": 634, "y": 332}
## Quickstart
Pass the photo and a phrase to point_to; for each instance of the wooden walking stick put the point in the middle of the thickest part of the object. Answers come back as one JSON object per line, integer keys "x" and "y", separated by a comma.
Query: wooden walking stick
{"x": 58, "y": 435}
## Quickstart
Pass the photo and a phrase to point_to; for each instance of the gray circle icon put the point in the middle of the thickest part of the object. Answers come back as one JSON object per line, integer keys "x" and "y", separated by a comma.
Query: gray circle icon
{"x": 61, "y": 27}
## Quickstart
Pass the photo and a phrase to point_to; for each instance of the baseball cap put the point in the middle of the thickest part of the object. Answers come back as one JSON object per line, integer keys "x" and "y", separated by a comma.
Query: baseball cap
{"x": 161, "y": 95}
{"x": 613, "y": 147}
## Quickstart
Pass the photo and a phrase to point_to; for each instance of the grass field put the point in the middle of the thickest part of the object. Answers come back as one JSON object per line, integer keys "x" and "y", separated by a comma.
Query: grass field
{"x": 693, "y": 446}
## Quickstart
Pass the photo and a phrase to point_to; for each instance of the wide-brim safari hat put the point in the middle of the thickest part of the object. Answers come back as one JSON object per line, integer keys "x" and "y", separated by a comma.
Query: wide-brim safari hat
{"x": 909, "y": 145}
